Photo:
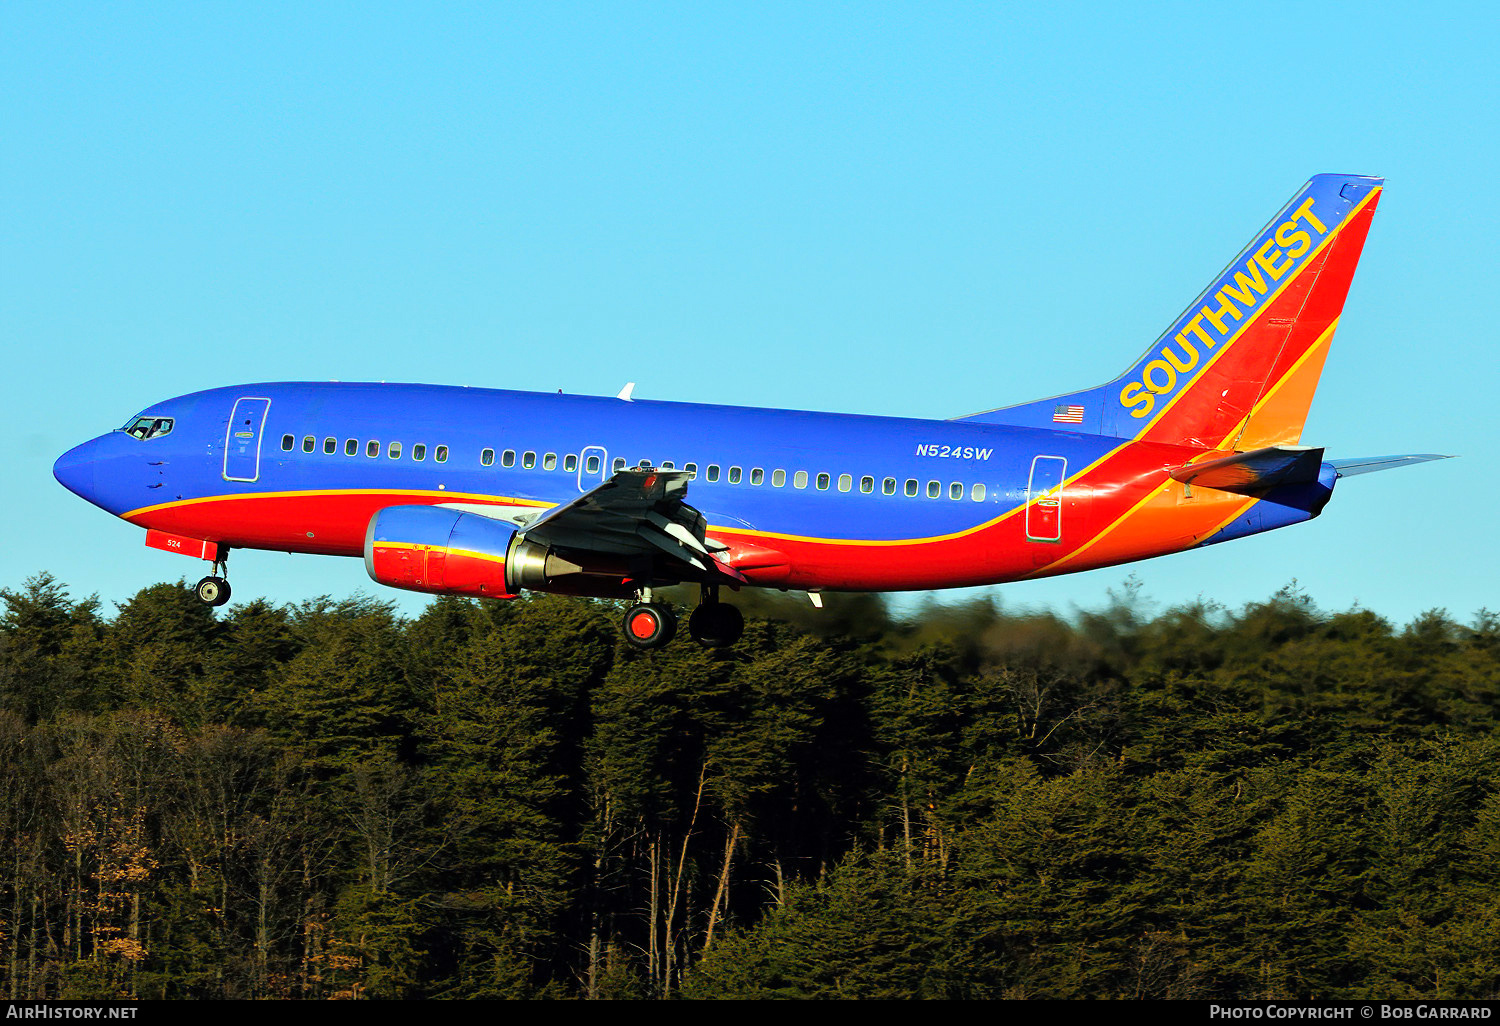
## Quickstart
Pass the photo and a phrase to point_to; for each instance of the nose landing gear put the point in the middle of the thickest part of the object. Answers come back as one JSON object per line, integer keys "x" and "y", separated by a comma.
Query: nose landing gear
{"x": 213, "y": 590}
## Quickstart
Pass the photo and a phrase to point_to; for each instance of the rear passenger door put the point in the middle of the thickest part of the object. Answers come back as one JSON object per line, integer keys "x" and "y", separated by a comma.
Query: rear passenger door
{"x": 1044, "y": 498}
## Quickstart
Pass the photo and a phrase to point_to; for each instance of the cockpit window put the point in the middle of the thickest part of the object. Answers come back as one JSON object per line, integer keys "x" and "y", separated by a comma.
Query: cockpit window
{"x": 149, "y": 427}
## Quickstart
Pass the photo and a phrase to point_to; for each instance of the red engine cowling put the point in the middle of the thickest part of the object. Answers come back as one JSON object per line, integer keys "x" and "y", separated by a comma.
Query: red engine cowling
{"x": 437, "y": 550}
{"x": 449, "y": 552}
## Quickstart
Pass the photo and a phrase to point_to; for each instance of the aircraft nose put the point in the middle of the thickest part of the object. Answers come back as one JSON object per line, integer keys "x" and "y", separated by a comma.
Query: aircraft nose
{"x": 74, "y": 469}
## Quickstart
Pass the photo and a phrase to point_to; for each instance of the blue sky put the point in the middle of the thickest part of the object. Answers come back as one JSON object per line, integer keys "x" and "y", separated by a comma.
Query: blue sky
{"x": 909, "y": 209}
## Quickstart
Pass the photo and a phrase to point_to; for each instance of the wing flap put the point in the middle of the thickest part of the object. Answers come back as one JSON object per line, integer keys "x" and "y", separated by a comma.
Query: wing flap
{"x": 638, "y": 511}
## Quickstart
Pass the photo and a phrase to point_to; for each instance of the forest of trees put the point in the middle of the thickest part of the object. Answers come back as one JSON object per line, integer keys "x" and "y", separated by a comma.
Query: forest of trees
{"x": 505, "y": 800}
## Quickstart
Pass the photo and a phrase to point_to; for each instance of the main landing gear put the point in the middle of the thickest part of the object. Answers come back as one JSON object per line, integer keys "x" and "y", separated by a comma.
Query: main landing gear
{"x": 713, "y": 624}
{"x": 213, "y": 590}
{"x": 650, "y": 624}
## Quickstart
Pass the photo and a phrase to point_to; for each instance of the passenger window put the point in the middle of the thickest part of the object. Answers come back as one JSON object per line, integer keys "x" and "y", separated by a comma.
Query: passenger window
{"x": 734, "y": 475}
{"x": 713, "y": 472}
{"x": 692, "y": 469}
{"x": 441, "y": 454}
{"x": 911, "y": 486}
{"x": 309, "y": 443}
{"x": 643, "y": 463}
{"x": 528, "y": 460}
{"x": 330, "y": 446}
{"x": 888, "y": 486}
{"x": 618, "y": 465}
{"x": 393, "y": 450}
{"x": 508, "y": 458}
{"x": 757, "y": 476}
{"x": 487, "y": 458}
{"x": 867, "y": 485}
{"x": 286, "y": 443}
{"x": 419, "y": 452}
{"x": 668, "y": 465}
{"x": 778, "y": 478}
{"x": 570, "y": 463}
{"x": 977, "y": 493}
{"x": 955, "y": 491}
{"x": 845, "y": 482}
{"x": 372, "y": 449}
{"x": 934, "y": 489}
{"x": 549, "y": 461}
{"x": 799, "y": 479}
{"x": 823, "y": 480}
{"x": 351, "y": 446}
{"x": 591, "y": 465}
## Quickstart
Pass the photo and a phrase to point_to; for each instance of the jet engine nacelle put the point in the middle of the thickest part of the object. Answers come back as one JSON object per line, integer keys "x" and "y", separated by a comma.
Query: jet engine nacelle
{"x": 450, "y": 552}
{"x": 437, "y": 550}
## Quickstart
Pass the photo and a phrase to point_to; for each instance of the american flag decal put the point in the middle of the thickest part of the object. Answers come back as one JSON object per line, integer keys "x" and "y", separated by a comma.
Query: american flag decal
{"x": 1067, "y": 414}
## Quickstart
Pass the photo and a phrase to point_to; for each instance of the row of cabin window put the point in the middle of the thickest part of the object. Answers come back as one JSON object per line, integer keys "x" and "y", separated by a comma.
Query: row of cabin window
{"x": 736, "y": 474}
{"x": 372, "y": 448}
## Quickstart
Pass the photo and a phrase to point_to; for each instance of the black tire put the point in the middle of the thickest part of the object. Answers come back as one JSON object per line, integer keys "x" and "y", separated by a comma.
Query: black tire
{"x": 212, "y": 591}
{"x": 648, "y": 625}
{"x": 716, "y": 624}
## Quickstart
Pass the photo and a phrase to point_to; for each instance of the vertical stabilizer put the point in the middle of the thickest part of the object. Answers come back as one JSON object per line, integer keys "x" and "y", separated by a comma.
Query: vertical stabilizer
{"x": 1238, "y": 368}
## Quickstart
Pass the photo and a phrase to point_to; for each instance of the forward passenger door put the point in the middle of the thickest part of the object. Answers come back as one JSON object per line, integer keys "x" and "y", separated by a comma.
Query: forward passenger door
{"x": 242, "y": 440}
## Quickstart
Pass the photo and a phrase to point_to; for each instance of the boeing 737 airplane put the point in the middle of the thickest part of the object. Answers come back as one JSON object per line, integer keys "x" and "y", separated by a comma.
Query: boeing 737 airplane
{"x": 484, "y": 492}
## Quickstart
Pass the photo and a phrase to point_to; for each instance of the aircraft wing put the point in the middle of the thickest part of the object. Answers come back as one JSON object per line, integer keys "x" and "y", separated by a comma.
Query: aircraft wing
{"x": 638, "y": 511}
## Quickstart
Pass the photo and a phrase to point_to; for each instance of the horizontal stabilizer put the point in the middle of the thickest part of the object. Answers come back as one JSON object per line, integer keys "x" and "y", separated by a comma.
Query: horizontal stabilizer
{"x": 1370, "y": 464}
{"x": 1256, "y": 471}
